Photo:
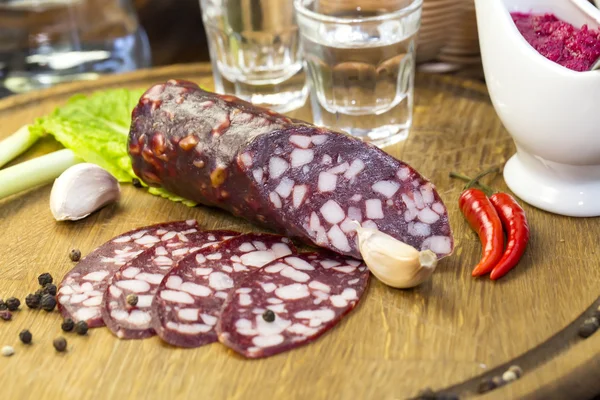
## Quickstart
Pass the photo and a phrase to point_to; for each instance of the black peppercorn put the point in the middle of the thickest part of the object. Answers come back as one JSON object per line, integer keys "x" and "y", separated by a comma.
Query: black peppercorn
{"x": 25, "y": 336}
{"x": 45, "y": 279}
{"x": 3, "y": 306}
{"x": 40, "y": 292}
{"x": 13, "y": 303}
{"x": 67, "y": 325}
{"x": 132, "y": 299}
{"x": 81, "y": 328}
{"x": 60, "y": 344}
{"x": 589, "y": 327}
{"x": 269, "y": 316}
{"x": 33, "y": 300}
{"x": 75, "y": 255}
{"x": 136, "y": 183}
{"x": 50, "y": 289}
{"x": 5, "y": 315}
{"x": 48, "y": 302}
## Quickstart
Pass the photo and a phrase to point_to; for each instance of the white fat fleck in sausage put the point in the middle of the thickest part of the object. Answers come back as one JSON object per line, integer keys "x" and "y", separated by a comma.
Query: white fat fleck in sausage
{"x": 277, "y": 167}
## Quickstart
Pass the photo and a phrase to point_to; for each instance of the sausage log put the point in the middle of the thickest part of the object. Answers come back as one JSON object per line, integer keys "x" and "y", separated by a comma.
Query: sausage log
{"x": 295, "y": 178}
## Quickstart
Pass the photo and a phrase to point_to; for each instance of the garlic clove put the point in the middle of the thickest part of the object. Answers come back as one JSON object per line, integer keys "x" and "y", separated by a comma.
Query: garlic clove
{"x": 393, "y": 262}
{"x": 81, "y": 190}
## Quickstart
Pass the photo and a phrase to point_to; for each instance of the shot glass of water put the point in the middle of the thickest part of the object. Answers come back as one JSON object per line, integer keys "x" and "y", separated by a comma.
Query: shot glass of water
{"x": 46, "y": 42}
{"x": 360, "y": 59}
{"x": 255, "y": 51}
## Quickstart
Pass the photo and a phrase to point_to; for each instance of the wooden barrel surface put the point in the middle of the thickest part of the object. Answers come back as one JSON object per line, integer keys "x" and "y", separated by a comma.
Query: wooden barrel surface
{"x": 447, "y": 334}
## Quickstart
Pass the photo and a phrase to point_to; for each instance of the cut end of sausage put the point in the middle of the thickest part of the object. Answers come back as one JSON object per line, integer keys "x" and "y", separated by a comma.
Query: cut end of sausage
{"x": 323, "y": 189}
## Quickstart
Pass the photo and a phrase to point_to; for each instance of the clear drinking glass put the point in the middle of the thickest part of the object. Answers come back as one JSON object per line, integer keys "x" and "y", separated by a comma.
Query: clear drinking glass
{"x": 44, "y": 42}
{"x": 360, "y": 59}
{"x": 255, "y": 51}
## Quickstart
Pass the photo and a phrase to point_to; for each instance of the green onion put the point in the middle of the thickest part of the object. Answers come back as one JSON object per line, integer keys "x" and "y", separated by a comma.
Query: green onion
{"x": 35, "y": 172}
{"x": 16, "y": 144}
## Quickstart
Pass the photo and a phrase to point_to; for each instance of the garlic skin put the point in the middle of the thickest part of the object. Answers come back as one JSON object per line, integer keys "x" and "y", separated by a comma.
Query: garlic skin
{"x": 81, "y": 190}
{"x": 393, "y": 262}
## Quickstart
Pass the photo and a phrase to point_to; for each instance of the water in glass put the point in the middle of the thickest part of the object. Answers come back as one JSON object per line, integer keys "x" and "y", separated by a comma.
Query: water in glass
{"x": 44, "y": 42}
{"x": 255, "y": 51}
{"x": 361, "y": 65}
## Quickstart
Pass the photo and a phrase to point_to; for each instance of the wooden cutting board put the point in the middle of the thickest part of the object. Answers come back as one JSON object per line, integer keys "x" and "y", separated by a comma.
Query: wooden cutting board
{"x": 447, "y": 334}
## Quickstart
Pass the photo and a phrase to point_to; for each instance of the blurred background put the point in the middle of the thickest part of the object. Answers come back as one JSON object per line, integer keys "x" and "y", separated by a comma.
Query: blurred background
{"x": 174, "y": 29}
{"x": 447, "y": 40}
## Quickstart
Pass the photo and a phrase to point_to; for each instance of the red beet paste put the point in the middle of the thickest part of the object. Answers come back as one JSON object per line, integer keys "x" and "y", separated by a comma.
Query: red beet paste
{"x": 559, "y": 41}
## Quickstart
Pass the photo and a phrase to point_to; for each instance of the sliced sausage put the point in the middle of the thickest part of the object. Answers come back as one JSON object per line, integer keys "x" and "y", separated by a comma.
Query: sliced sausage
{"x": 187, "y": 304}
{"x": 81, "y": 291}
{"x": 128, "y": 298}
{"x": 290, "y": 302}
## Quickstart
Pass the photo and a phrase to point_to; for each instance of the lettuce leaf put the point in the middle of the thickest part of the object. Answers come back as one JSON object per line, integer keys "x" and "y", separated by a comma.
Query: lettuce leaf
{"x": 168, "y": 195}
{"x": 96, "y": 129}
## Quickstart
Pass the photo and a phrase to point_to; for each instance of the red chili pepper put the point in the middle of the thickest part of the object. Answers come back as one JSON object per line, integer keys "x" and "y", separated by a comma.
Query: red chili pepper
{"x": 517, "y": 229}
{"x": 483, "y": 219}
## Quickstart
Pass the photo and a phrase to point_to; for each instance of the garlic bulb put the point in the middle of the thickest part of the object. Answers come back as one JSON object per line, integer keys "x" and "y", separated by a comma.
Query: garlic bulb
{"x": 393, "y": 262}
{"x": 81, "y": 190}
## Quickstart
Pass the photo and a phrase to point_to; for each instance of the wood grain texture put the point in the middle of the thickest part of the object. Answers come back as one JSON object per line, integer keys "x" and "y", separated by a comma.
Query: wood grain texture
{"x": 448, "y": 331}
